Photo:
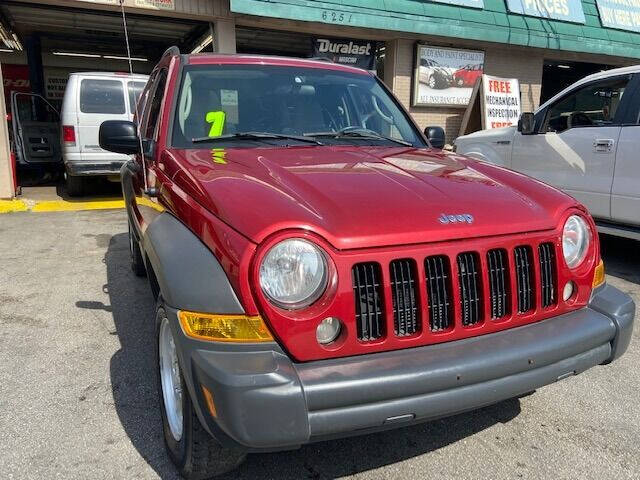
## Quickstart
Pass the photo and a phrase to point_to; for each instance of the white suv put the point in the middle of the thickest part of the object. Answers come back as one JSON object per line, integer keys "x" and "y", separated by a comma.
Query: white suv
{"x": 585, "y": 140}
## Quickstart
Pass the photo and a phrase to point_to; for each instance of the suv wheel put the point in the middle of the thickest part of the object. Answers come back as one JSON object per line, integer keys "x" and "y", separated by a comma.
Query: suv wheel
{"x": 195, "y": 453}
{"x": 137, "y": 264}
{"x": 75, "y": 185}
{"x": 433, "y": 81}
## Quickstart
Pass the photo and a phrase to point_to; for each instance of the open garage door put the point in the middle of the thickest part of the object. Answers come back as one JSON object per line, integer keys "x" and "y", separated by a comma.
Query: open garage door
{"x": 51, "y": 42}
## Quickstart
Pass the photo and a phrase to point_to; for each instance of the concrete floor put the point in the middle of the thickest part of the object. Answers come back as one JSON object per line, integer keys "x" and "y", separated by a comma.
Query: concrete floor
{"x": 78, "y": 396}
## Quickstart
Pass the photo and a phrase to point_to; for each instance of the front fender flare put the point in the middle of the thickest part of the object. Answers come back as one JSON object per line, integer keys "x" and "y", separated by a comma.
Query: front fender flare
{"x": 188, "y": 274}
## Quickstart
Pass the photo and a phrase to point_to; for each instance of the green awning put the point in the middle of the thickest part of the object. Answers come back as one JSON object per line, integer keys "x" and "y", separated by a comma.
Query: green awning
{"x": 491, "y": 24}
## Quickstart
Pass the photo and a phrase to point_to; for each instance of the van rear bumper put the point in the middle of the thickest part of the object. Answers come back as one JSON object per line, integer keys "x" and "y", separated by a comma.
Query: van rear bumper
{"x": 92, "y": 168}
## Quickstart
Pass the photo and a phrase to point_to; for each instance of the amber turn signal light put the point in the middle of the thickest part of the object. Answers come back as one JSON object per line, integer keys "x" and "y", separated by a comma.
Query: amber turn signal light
{"x": 224, "y": 328}
{"x": 598, "y": 275}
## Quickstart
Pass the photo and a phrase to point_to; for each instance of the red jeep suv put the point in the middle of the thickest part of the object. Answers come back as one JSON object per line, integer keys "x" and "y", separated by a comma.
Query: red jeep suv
{"x": 321, "y": 271}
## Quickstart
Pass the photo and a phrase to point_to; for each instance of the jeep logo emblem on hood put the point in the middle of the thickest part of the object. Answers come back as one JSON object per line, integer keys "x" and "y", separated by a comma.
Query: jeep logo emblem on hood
{"x": 458, "y": 218}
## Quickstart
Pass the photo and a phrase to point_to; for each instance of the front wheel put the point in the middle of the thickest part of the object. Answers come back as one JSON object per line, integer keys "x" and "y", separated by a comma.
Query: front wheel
{"x": 194, "y": 452}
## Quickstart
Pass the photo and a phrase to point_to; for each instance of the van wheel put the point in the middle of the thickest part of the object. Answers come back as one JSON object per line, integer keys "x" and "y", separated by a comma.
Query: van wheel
{"x": 75, "y": 185}
{"x": 137, "y": 263}
{"x": 195, "y": 453}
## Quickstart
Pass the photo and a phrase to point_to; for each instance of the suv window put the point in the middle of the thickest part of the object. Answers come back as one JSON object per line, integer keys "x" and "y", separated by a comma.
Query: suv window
{"x": 594, "y": 105}
{"x": 134, "y": 89}
{"x": 101, "y": 96}
{"x": 156, "y": 103}
{"x": 219, "y": 100}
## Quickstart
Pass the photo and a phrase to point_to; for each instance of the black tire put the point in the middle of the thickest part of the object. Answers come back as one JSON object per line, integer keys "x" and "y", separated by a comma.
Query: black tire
{"x": 137, "y": 263}
{"x": 75, "y": 186}
{"x": 197, "y": 455}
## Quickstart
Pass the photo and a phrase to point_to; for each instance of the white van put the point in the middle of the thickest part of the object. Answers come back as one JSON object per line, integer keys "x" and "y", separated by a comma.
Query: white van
{"x": 90, "y": 98}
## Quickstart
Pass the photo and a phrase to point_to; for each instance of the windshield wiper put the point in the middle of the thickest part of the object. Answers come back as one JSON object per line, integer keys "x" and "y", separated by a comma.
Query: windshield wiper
{"x": 358, "y": 132}
{"x": 256, "y": 136}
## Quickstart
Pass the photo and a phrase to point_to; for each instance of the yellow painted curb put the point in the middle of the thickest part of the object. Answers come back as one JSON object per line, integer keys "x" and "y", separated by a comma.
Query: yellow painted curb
{"x": 7, "y": 206}
{"x": 66, "y": 206}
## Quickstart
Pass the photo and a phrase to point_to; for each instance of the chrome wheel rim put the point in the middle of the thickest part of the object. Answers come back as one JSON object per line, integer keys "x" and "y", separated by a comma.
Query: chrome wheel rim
{"x": 170, "y": 379}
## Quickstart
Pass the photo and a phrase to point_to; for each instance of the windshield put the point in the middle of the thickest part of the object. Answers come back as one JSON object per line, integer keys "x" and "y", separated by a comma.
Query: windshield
{"x": 221, "y": 102}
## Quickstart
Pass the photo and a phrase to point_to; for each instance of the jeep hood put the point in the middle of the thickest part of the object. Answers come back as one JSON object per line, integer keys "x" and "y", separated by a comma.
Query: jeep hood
{"x": 359, "y": 197}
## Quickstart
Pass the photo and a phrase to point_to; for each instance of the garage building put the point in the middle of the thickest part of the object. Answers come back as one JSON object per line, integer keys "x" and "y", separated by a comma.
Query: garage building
{"x": 428, "y": 52}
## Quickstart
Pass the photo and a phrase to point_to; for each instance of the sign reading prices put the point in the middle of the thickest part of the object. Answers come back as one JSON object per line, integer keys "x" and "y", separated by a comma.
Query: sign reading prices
{"x": 566, "y": 10}
{"x": 620, "y": 14}
{"x": 500, "y": 101}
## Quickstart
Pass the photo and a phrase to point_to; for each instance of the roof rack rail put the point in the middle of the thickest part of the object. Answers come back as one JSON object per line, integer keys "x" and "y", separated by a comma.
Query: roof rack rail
{"x": 171, "y": 51}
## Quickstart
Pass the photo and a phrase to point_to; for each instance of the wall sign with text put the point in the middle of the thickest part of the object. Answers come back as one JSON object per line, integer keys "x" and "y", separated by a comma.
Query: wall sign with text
{"x": 566, "y": 10}
{"x": 356, "y": 53}
{"x": 445, "y": 76}
{"x": 620, "y": 14}
{"x": 500, "y": 101}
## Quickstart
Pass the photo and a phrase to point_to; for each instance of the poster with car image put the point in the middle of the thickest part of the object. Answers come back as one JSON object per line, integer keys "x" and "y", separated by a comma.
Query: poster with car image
{"x": 445, "y": 76}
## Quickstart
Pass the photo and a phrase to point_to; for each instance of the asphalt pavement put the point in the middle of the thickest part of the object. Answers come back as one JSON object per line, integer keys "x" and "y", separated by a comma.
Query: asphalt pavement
{"x": 78, "y": 390}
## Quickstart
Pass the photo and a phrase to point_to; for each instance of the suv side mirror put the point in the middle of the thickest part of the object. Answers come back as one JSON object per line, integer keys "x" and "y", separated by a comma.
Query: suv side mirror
{"x": 119, "y": 136}
{"x": 436, "y": 136}
{"x": 527, "y": 124}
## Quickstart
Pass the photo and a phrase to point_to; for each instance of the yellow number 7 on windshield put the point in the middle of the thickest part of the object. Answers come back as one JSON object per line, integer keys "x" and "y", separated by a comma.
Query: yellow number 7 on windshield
{"x": 216, "y": 120}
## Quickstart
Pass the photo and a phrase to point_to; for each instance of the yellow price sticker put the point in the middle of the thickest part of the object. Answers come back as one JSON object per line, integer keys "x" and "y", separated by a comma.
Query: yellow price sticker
{"x": 216, "y": 120}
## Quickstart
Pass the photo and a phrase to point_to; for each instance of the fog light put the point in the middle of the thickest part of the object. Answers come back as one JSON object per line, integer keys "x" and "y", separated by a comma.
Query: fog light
{"x": 328, "y": 330}
{"x": 568, "y": 291}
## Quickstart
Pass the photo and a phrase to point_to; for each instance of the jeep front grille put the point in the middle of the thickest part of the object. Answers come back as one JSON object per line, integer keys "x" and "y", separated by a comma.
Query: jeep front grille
{"x": 403, "y": 293}
{"x": 424, "y": 295}
{"x": 367, "y": 287}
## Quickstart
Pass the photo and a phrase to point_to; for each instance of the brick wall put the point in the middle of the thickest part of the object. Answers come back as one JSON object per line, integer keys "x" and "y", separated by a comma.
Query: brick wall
{"x": 511, "y": 62}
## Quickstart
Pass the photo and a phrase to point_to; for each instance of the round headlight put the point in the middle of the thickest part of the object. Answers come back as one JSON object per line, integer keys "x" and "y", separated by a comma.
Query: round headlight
{"x": 576, "y": 238}
{"x": 293, "y": 273}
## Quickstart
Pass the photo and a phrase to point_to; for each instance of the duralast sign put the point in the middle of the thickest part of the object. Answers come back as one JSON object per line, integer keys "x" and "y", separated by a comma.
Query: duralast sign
{"x": 357, "y": 53}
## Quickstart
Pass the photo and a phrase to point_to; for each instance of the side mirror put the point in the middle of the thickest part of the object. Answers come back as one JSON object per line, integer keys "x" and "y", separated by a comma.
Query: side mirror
{"x": 436, "y": 136}
{"x": 119, "y": 136}
{"x": 527, "y": 124}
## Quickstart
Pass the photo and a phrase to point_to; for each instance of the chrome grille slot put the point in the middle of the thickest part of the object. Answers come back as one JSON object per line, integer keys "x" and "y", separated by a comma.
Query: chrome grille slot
{"x": 524, "y": 278}
{"x": 403, "y": 292}
{"x": 366, "y": 280}
{"x": 498, "y": 274}
{"x": 438, "y": 275}
{"x": 548, "y": 280}
{"x": 470, "y": 288}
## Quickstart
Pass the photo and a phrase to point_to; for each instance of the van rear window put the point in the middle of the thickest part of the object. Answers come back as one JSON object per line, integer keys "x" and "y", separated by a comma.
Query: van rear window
{"x": 102, "y": 96}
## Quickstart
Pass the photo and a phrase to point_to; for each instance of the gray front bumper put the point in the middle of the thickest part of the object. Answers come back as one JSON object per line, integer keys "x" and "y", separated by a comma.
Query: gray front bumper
{"x": 267, "y": 402}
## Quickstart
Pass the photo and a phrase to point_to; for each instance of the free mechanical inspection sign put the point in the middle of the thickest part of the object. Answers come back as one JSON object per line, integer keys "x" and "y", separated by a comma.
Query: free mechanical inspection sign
{"x": 500, "y": 101}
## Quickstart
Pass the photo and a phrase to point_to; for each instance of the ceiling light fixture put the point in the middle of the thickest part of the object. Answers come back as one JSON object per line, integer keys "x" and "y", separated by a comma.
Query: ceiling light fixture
{"x": 6, "y": 50}
{"x": 119, "y": 57}
{"x": 76, "y": 54}
{"x": 563, "y": 66}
